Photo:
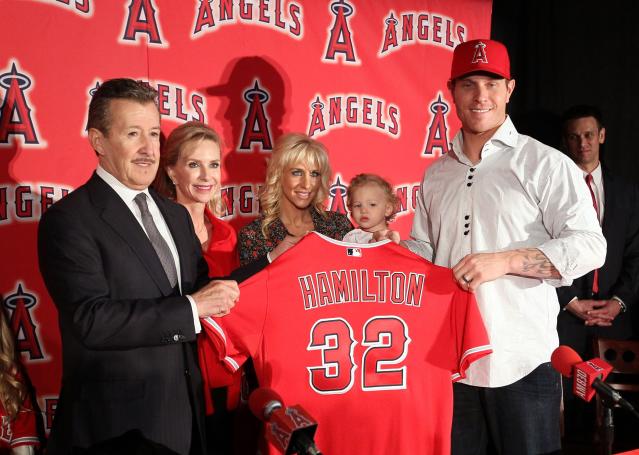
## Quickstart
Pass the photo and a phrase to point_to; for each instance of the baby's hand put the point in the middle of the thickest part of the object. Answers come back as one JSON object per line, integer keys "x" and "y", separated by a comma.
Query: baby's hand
{"x": 384, "y": 235}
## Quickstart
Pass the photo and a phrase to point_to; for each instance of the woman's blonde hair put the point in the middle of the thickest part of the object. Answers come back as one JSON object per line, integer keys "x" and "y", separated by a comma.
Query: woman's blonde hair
{"x": 371, "y": 179}
{"x": 12, "y": 391}
{"x": 173, "y": 147}
{"x": 289, "y": 150}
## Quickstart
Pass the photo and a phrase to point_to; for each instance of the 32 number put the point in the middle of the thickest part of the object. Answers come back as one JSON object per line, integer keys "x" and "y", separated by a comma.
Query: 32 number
{"x": 386, "y": 340}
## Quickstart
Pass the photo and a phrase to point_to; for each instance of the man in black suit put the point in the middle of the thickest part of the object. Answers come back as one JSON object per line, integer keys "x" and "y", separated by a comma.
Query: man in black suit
{"x": 124, "y": 268}
{"x": 601, "y": 302}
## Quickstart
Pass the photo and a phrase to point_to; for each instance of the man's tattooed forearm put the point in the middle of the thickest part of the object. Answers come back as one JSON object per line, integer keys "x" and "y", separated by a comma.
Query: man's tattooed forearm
{"x": 535, "y": 263}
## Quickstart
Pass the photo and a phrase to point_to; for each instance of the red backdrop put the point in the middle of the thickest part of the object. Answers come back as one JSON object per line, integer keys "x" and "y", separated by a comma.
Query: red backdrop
{"x": 367, "y": 78}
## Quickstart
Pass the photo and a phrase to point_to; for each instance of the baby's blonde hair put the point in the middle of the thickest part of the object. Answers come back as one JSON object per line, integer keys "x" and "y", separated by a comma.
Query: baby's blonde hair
{"x": 372, "y": 179}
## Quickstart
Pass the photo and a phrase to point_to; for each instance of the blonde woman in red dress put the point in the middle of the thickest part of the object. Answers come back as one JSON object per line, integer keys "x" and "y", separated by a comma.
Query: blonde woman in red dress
{"x": 190, "y": 174}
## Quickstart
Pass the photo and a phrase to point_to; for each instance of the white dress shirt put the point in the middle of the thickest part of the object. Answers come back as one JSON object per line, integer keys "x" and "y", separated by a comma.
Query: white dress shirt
{"x": 128, "y": 196}
{"x": 522, "y": 194}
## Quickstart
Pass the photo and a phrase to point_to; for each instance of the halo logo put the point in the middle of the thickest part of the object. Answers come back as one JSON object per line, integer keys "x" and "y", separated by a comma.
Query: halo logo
{"x": 141, "y": 19}
{"x": 21, "y": 303}
{"x": 337, "y": 193}
{"x": 15, "y": 112}
{"x": 256, "y": 121}
{"x": 437, "y": 130}
{"x": 340, "y": 37}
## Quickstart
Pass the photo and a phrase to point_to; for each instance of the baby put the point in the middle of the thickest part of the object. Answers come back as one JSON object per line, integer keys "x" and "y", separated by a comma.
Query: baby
{"x": 373, "y": 204}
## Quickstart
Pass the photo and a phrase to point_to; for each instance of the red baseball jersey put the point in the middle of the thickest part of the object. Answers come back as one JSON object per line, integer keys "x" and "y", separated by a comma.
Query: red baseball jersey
{"x": 367, "y": 338}
{"x": 20, "y": 431}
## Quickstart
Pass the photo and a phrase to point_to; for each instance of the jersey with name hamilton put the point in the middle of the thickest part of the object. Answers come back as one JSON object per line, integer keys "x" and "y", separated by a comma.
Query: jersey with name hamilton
{"x": 367, "y": 338}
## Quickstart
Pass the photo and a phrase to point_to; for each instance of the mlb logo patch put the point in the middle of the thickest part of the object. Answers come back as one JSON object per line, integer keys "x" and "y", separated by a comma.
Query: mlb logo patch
{"x": 355, "y": 252}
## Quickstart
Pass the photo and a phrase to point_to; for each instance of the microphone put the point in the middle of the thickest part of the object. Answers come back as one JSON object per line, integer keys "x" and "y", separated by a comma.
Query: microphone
{"x": 589, "y": 376}
{"x": 289, "y": 429}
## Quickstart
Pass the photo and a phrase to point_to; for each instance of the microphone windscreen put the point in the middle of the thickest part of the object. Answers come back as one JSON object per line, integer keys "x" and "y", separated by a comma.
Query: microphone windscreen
{"x": 262, "y": 399}
{"x": 563, "y": 359}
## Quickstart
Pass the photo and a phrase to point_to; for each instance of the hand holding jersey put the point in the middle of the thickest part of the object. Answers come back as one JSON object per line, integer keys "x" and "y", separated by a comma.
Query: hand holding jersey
{"x": 216, "y": 298}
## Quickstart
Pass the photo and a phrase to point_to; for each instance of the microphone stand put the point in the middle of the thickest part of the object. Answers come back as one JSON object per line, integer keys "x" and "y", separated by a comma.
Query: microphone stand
{"x": 608, "y": 433}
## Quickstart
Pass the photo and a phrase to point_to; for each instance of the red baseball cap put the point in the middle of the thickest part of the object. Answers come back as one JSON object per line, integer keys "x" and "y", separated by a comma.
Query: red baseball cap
{"x": 480, "y": 55}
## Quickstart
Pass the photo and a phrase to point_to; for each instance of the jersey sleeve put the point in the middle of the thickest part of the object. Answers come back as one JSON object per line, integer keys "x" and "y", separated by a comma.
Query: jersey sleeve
{"x": 230, "y": 340}
{"x": 471, "y": 339}
{"x": 24, "y": 426}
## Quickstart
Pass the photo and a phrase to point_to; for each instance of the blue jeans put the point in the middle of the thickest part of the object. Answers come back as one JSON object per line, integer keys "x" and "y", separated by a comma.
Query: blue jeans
{"x": 518, "y": 419}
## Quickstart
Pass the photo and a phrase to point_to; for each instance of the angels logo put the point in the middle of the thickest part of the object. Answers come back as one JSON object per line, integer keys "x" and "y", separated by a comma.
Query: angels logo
{"x": 141, "y": 20}
{"x": 479, "y": 56}
{"x": 27, "y": 203}
{"x": 80, "y": 7}
{"x": 407, "y": 194}
{"x": 20, "y": 305}
{"x": 363, "y": 111}
{"x": 420, "y": 27}
{"x": 337, "y": 193}
{"x": 241, "y": 199}
{"x": 209, "y": 14}
{"x": 256, "y": 121}
{"x": 437, "y": 130}
{"x": 16, "y": 120}
{"x": 50, "y": 406}
{"x": 174, "y": 102}
{"x": 340, "y": 37}
{"x": 281, "y": 435}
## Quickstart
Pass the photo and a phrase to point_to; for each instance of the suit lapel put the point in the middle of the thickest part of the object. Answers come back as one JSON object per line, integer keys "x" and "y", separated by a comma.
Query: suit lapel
{"x": 118, "y": 216}
{"x": 609, "y": 209}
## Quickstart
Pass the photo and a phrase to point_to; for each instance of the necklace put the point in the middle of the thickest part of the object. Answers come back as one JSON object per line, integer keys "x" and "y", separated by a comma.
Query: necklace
{"x": 201, "y": 229}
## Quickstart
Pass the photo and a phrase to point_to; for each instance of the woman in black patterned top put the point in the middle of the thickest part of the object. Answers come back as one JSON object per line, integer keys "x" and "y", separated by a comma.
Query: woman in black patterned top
{"x": 292, "y": 200}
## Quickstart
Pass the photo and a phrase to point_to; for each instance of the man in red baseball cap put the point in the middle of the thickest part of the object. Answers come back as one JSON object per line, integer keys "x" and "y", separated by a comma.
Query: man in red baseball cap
{"x": 513, "y": 218}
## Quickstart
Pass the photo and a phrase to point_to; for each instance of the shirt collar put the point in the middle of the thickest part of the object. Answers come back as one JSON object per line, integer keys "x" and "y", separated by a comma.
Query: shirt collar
{"x": 127, "y": 194}
{"x": 596, "y": 172}
{"x": 506, "y": 134}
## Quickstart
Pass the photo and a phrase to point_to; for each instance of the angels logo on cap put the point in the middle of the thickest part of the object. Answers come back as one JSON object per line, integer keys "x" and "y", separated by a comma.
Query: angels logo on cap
{"x": 484, "y": 55}
{"x": 480, "y": 53}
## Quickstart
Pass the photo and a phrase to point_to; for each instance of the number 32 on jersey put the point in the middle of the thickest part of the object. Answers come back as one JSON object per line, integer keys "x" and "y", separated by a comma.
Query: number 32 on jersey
{"x": 386, "y": 341}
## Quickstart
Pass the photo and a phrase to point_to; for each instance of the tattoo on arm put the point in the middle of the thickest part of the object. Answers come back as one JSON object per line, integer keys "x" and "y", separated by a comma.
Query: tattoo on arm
{"x": 534, "y": 263}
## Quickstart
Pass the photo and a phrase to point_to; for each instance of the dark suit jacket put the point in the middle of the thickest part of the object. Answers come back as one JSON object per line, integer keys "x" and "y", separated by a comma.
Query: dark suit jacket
{"x": 127, "y": 336}
{"x": 618, "y": 276}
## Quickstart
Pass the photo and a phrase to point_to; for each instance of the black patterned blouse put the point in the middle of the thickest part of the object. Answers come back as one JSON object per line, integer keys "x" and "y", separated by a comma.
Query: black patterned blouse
{"x": 252, "y": 245}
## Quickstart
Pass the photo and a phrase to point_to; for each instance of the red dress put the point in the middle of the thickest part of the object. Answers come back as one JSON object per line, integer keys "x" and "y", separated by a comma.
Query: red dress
{"x": 222, "y": 258}
{"x": 221, "y": 253}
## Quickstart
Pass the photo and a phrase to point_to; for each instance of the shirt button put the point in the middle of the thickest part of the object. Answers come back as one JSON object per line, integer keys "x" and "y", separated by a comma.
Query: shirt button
{"x": 467, "y": 217}
{"x": 472, "y": 169}
{"x": 469, "y": 184}
{"x": 466, "y": 232}
{"x": 470, "y": 177}
{"x": 466, "y": 225}
{"x": 176, "y": 337}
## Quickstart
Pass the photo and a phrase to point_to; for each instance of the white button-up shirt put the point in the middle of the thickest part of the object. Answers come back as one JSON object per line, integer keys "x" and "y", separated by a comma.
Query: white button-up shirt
{"x": 522, "y": 194}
